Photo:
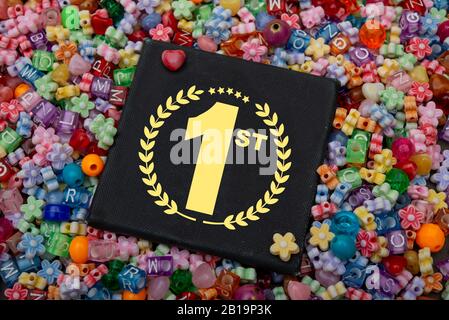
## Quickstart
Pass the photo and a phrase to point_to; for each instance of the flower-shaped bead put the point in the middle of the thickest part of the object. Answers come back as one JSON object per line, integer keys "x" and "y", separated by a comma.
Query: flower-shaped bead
{"x": 182, "y": 9}
{"x": 437, "y": 200}
{"x": 180, "y": 258}
{"x": 127, "y": 247}
{"x": 82, "y": 105}
{"x": 50, "y": 271}
{"x": 321, "y": 235}
{"x": 284, "y": 246}
{"x": 17, "y": 292}
{"x": 128, "y": 58}
{"x": 45, "y": 87}
{"x": 317, "y": 48}
{"x": 59, "y": 155}
{"x": 253, "y": 50}
{"x": 392, "y": 99}
{"x": 384, "y": 161}
{"x": 161, "y": 33}
{"x": 411, "y": 218}
{"x": 65, "y": 52}
{"x": 147, "y": 5}
{"x": 32, "y": 209}
{"x": 429, "y": 25}
{"x": 421, "y": 91}
{"x": 10, "y": 110}
{"x": 367, "y": 242}
{"x": 104, "y": 131}
{"x": 388, "y": 68}
{"x": 419, "y": 47}
{"x": 433, "y": 282}
{"x": 407, "y": 61}
{"x": 439, "y": 15}
{"x": 382, "y": 250}
{"x": 24, "y": 125}
{"x": 30, "y": 174}
{"x": 31, "y": 245}
{"x": 429, "y": 114}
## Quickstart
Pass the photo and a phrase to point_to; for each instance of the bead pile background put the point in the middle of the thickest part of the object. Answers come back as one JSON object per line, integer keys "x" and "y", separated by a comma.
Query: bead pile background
{"x": 380, "y": 217}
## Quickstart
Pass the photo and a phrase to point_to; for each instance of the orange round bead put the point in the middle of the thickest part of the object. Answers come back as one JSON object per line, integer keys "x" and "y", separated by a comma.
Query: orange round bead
{"x": 21, "y": 89}
{"x": 128, "y": 295}
{"x": 79, "y": 249}
{"x": 423, "y": 163}
{"x": 92, "y": 165}
{"x": 430, "y": 235}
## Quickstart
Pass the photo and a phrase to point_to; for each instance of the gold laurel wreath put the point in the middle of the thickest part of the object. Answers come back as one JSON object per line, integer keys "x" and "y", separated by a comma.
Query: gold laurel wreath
{"x": 163, "y": 199}
{"x": 262, "y": 205}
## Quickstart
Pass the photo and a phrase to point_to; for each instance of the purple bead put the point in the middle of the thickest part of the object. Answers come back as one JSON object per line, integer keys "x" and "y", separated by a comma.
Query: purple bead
{"x": 101, "y": 87}
{"x": 359, "y": 195}
{"x": 276, "y": 33}
{"x": 444, "y": 133}
{"x": 388, "y": 285}
{"x": 397, "y": 242}
{"x": 410, "y": 24}
{"x": 443, "y": 266}
{"x": 38, "y": 40}
{"x": 360, "y": 55}
{"x": 45, "y": 113}
{"x": 29, "y": 100}
{"x": 67, "y": 122}
{"x": 160, "y": 266}
{"x": 326, "y": 278}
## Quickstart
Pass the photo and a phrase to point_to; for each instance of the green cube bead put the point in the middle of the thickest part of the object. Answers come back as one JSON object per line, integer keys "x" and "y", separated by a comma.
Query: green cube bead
{"x": 58, "y": 244}
{"x": 351, "y": 176}
{"x": 9, "y": 141}
{"x": 70, "y": 18}
{"x": 356, "y": 151}
{"x": 99, "y": 39}
{"x": 203, "y": 12}
{"x": 181, "y": 281}
{"x": 116, "y": 265}
{"x": 47, "y": 228}
{"x": 361, "y": 135}
{"x": 124, "y": 77}
{"x": 398, "y": 180}
{"x": 255, "y": 6}
{"x": 115, "y": 9}
{"x": 43, "y": 60}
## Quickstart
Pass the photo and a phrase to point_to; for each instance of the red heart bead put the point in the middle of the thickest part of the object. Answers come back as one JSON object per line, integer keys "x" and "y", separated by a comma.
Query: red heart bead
{"x": 173, "y": 59}
{"x": 394, "y": 264}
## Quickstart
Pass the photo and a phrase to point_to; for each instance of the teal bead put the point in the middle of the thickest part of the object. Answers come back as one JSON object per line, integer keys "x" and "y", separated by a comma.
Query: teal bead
{"x": 343, "y": 246}
{"x": 345, "y": 222}
{"x": 398, "y": 180}
{"x": 72, "y": 175}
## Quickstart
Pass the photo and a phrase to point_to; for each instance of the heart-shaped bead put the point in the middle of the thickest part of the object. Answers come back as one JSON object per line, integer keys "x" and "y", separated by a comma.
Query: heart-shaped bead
{"x": 78, "y": 65}
{"x": 439, "y": 84}
{"x": 298, "y": 291}
{"x": 173, "y": 59}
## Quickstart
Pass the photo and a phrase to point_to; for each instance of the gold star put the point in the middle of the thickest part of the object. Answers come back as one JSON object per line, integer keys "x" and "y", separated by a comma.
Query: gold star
{"x": 230, "y": 91}
{"x": 220, "y": 90}
{"x": 211, "y": 90}
{"x": 238, "y": 94}
{"x": 245, "y": 99}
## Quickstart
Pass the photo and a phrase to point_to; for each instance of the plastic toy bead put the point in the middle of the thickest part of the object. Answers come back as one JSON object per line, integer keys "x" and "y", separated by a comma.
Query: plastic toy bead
{"x": 431, "y": 236}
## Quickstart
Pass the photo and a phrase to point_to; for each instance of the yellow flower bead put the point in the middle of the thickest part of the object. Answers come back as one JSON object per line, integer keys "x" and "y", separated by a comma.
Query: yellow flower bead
{"x": 284, "y": 246}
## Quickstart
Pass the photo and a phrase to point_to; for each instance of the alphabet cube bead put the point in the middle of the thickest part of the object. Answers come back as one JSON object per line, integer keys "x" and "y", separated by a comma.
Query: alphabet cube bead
{"x": 132, "y": 279}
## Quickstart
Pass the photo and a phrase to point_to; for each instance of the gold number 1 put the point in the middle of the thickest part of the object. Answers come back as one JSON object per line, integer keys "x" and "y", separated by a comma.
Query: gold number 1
{"x": 218, "y": 120}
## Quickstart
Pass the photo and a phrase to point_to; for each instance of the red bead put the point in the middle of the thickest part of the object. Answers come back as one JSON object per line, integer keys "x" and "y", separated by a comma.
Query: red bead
{"x": 114, "y": 114}
{"x": 94, "y": 148}
{"x": 6, "y": 229}
{"x": 138, "y": 35}
{"x": 183, "y": 38}
{"x": 408, "y": 167}
{"x": 394, "y": 264}
{"x": 118, "y": 95}
{"x": 102, "y": 68}
{"x": 187, "y": 296}
{"x": 415, "y": 5}
{"x": 291, "y": 7}
{"x": 276, "y": 7}
{"x": 334, "y": 9}
{"x": 403, "y": 149}
{"x": 6, "y": 171}
{"x": 169, "y": 20}
{"x": 80, "y": 141}
{"x": 100, "y": 24}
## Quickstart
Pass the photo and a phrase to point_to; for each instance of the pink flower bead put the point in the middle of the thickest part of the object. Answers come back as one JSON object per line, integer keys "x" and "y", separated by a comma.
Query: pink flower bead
{"x": 161, "y": 33}
{"x": 434, "y": 152}
{"x": 433, "y": 67}
{"x": 429, "y": 114}
{"x": 417, "y": 192}
{"x": 108, "y": 53}
{"x": 421, "y": 91}
{"x": 419, "y": 140}
{"x": 29, "y": 22}
{"x": 312, "y": 17}
{"x": 373, "y": 10}
{"x": 388, "y": 17}
{"x": 370, "y": 72}
{"x": 320, "y": 67}
{"x": 10, "y": 111}
{"x": 411, "y": 217}
{"x": 367, "y": 242}
{"x": 419, "y": 47}
{"x": 253, "y": 50}
{"x": 430, "y": 132}
{"x": 180, "y": 258}
{"x": 245, "y": 15}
